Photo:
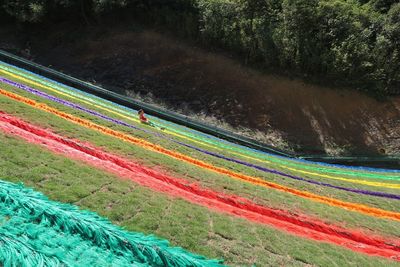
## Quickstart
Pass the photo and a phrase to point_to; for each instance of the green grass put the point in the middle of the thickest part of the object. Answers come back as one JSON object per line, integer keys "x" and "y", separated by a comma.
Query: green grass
{"x": 384, "y": 174}
{"x": 190, "y": 226}
{"x": 281, "y": 160}
{"x": 261, "y": 195}
{"x": 139, "y": 209}
{"x": 198, "y": 155}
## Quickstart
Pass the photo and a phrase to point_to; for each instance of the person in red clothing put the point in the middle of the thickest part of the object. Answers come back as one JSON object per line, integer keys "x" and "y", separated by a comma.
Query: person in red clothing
{"x": 142, "y": 117}
{"x": 145, "y": 120}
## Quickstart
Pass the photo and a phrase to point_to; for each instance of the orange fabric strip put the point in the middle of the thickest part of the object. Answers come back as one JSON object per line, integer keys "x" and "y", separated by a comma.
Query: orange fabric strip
{"x": 253, "y": 180}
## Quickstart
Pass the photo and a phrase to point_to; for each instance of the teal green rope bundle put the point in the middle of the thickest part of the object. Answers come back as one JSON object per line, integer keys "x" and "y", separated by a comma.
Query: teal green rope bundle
{"x": 35, "y": 231}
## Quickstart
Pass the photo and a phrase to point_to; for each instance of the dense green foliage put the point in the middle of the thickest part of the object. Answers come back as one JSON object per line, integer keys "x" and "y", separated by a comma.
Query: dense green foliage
{"x": 348, "y": 42}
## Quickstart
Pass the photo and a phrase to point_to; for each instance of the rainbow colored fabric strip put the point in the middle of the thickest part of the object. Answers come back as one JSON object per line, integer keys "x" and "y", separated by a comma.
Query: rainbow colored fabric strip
{"x": 260, "y": 168}
{"x": 361, "y": 208}
{"x": 210, "y": 141}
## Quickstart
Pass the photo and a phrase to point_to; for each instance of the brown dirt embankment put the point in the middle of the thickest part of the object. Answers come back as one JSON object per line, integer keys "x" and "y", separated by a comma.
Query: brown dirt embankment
{"x": 309, "y": 118}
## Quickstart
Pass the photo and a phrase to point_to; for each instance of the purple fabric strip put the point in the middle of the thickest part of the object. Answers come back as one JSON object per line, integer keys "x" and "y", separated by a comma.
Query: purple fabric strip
{"x": 260, "y": 168}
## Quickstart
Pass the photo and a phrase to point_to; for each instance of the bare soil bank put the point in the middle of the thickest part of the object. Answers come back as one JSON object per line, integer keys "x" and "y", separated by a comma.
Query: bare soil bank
{"x": 309, "y": 118}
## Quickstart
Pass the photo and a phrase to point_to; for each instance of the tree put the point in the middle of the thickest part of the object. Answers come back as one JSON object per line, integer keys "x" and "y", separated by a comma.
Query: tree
{"x": 347, "y": 33}
{"x": 387, "y": 51}
{"x": 382, "y": 5}
{"x": 295, "y": 34}
{"x": 26, "y": 11}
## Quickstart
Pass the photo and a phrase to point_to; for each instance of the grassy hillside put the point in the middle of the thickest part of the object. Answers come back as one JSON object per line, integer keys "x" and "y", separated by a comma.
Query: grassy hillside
{"x": 206, "y": 195}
